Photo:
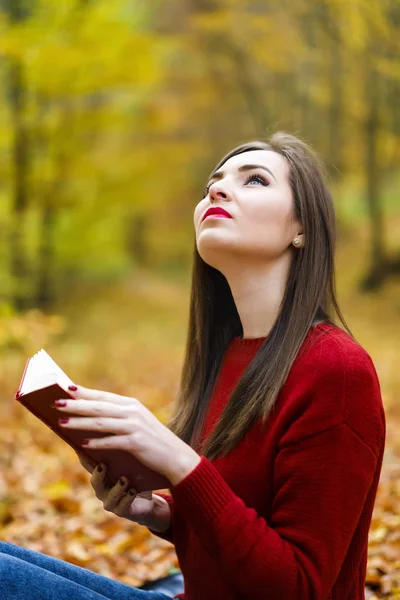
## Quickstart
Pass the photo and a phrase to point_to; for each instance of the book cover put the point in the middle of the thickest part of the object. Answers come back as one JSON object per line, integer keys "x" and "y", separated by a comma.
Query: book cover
{"x": 42, "y": 383}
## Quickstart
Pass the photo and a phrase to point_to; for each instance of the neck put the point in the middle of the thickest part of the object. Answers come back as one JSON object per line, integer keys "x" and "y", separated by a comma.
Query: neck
{"x": 258, "y": 292}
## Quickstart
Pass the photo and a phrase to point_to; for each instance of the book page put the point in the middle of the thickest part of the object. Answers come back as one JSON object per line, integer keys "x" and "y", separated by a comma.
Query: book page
{"x": 43, "y": 371}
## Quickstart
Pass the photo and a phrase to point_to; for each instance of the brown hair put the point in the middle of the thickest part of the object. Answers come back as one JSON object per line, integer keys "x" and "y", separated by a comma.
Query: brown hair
{"x": 214, "y": 321}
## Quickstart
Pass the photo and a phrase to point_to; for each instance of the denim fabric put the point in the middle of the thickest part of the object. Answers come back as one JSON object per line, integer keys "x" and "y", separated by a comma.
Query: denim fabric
{"x": 27, "y": 574}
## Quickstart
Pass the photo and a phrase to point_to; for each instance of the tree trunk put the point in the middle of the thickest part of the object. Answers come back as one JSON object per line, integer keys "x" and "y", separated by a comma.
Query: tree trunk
{"x": 52, "y": 199}
{"x": 376, "y": 271}
{"x": 136, "y": 238}
{"x": 45, "y": 270}
{"x": 335, "y": 110}
{"x": 20, "y": 158}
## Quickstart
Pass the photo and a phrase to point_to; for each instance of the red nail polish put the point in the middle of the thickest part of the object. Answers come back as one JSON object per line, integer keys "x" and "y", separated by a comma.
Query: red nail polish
{"x": 73, "y": 388}
{"x": 60, "y": 402}
{"x": 85, "y": 442}
{"x": 63, "y": 420}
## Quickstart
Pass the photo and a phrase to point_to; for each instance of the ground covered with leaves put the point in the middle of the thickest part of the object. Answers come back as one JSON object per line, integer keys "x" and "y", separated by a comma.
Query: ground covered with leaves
{"x": 129, "y": 339}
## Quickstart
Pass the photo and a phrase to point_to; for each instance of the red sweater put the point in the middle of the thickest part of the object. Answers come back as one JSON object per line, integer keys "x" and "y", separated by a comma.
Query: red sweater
{"x": 286, "y": 515}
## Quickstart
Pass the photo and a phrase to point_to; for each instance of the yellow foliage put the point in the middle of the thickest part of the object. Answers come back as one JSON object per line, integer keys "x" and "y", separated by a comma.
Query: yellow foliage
{"x": 57, "y": 489}
{"x": 28, "y": 331}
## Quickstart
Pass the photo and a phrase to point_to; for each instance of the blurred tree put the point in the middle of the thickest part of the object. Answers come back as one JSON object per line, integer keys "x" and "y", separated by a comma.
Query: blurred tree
{"x": 50, "y": 203}
{"x": 17, "y": 12}
{"x": 377, "y": 46}
{"x": 121, "y": 108}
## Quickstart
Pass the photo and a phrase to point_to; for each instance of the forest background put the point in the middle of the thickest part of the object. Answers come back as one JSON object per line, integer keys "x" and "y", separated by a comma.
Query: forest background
{"x": 112, "y": 115}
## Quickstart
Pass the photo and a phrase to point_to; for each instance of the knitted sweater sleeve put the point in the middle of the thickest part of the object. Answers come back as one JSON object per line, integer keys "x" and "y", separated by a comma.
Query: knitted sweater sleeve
{"x": 323, "y": 472}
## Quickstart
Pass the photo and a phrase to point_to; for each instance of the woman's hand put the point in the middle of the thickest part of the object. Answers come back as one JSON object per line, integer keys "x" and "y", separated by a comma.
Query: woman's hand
{"x": 144, "y": 508}
{"x": 135, "y": 427}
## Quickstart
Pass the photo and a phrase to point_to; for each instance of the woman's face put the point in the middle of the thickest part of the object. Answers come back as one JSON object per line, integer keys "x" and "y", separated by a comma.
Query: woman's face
{"x": 260, "y": 201}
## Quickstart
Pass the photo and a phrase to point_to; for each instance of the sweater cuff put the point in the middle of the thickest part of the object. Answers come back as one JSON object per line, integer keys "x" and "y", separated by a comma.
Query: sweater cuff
{"x": 203, "y": 492}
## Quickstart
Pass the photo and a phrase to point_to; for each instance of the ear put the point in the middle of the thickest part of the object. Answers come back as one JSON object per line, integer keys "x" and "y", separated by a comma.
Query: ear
{"x": 302, "y": 238}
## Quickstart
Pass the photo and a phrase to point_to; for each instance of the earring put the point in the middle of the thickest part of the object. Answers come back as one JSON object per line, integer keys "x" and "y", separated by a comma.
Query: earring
{"x": 296, "y": 241}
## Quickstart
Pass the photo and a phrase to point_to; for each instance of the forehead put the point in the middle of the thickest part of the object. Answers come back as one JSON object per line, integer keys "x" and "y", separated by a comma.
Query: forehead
{"x": 267, "y": 158}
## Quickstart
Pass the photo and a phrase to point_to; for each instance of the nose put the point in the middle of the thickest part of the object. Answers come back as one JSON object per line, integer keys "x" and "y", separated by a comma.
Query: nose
{"x": 217, "y": 190}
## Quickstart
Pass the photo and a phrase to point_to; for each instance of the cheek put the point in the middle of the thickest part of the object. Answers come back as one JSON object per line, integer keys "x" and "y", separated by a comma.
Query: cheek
{"x": 196, "y": 219}
{"x": 267, "y": 226}
{"x": 198, "y": 211}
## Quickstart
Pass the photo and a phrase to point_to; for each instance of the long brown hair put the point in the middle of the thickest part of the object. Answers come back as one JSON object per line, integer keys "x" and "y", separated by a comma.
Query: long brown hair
{"x": 213, "y": 318}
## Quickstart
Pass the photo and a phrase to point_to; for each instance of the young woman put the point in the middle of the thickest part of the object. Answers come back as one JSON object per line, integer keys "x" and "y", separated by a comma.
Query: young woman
{"x": 275, "y": 448}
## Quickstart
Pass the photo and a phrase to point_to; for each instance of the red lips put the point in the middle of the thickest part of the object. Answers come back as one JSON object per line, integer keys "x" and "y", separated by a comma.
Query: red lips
{"x": 216, "y": 211}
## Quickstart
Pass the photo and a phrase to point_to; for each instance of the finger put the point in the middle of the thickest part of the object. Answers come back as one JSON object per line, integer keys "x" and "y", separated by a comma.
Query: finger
{"x": 115, "y": 494}
{"x": 97, "y": 480}
{"x": 85, "y": 407}
{"x": 86, "y": 393}
{"x": 122, "y": 442}
{"x": 101, "y": 424}
{"x": 125, "y": 501}
{"x": 90, "y": 394}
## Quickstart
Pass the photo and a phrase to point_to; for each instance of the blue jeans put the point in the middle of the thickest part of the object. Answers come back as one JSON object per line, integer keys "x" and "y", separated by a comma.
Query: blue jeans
{"x": 27, "y": 574}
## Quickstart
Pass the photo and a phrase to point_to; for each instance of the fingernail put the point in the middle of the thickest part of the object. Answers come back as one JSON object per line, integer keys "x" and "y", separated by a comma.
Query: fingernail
{"x": 60, "y": 402}
{"x": 99, "y": 468}
{"x": 72, "y": 388}
{"x": 85, "y": 442}
{"x": 63, "y": 420}
{"x": 122, "y": 482}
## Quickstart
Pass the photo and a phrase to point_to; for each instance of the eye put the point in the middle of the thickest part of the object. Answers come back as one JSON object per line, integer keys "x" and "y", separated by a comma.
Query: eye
{"x": 254, "y": 177}
{"x": 207, "y": 189}
{"x": 257, "y": 178}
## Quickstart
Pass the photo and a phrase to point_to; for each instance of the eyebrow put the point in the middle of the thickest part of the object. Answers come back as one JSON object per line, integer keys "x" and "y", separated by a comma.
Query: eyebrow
{"x": 219, "y": 174}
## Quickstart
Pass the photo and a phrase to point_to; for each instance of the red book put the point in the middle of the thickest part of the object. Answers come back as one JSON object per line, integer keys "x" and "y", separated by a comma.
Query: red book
{"x": 43, "y": 382}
